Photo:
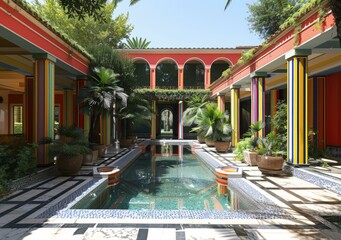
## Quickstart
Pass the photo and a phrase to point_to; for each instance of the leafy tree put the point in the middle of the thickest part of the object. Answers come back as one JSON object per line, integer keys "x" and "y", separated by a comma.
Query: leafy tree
{"x": 266, "y": 17}
{"x": 335, "y": 5}
{"x": 87, "y": 8}
{"x": 137, "y": 43}
{"x": 87, "y": 31}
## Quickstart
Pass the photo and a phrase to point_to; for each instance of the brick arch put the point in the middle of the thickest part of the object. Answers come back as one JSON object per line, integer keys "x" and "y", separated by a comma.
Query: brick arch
{"x": 165, "y": 59}
{"x": 141, "y": 59}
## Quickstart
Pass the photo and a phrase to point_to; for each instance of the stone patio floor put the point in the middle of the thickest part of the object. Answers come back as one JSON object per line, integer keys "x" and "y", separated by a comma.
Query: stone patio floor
{"x": 316, "y": 212}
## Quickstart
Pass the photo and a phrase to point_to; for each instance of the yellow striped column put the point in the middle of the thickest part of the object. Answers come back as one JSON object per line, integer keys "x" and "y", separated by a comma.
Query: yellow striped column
{"x": 258, "y": 99}
{"x": 297, "y": 87}
{"x": 221, "y": 102}
{"x": 105, "y": 128}
{"x": 68, "y": 108}
{"x": 43, "y": 103}
{"x": 153, "y": 128}
{"x": 235, "y": 113}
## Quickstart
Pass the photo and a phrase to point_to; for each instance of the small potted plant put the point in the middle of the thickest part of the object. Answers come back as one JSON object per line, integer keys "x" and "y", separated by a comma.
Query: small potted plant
{"x": 69, "y": 149}
{"x": 269, "y": 159}
{"x": 250, "y": 155}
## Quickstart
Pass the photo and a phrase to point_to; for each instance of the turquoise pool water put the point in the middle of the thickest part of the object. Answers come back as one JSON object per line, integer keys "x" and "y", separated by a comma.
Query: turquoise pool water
{"x": 165, "y": 177}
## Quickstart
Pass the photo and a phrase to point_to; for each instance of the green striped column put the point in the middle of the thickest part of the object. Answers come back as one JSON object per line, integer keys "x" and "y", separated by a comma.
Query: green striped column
{"x": 258, "y": 99}
{"x": 43, "y": 103}
{"x": 68, "y": 108}
{"x": 235, "y": 113}
{"x": 297, "y": 95}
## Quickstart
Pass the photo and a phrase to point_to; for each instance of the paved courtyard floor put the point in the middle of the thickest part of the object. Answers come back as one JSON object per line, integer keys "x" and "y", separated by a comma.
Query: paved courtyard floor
{"x": 316, "y": 212}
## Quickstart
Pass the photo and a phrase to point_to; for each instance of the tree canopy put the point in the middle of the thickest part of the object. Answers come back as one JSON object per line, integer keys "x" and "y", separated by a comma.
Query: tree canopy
{"x": 87, "y": 31}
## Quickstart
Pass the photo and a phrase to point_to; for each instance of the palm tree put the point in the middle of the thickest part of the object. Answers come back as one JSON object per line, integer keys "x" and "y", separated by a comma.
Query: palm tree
{"x": 137, "y": 43}
{"x": 195, "y": 106}
{"x": 99, "y": 96}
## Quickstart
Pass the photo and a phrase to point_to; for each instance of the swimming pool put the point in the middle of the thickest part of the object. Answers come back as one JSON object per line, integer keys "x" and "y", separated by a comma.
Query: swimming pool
{"x": 166, "y": 177}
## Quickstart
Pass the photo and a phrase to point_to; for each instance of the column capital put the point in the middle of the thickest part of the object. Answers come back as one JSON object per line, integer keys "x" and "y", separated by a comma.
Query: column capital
{"x": 297, "y": 53}
{"x": 221, "y": 94}
{"x": 235, "y": 86}
{"x": 258, "y": 74}
{"x": 44, "y": 56}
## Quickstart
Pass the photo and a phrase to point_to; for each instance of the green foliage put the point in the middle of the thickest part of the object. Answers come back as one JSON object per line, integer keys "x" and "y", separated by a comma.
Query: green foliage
{"x": 105, "y": 56}
{"x": 246, "y": 56}
{"x": 254, "y": 129}
{"x": 16, "y": 160}
{"x": 313, "y": 151}
{"x": 87, "y": 31}
{"x": 194, "y": 108}
{"x": 98, "y": 96}
{"x": 71, "y": 142}
{"x": 171, "y": 94}
{"x": 279, "y": 124}
{"x": 269, "y": 146}
{"x": 214, "y": 124}
{"x": 137, "y": 43}
{"x": 243, "y": 144}
{"x": 266, "y": 16}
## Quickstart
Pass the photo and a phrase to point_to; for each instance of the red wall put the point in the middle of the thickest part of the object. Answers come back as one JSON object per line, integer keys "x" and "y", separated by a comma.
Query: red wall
{"x": 333, "y": 109}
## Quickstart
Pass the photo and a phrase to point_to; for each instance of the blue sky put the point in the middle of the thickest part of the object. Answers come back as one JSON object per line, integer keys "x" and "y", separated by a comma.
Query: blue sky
{"x": 190, "y": 23}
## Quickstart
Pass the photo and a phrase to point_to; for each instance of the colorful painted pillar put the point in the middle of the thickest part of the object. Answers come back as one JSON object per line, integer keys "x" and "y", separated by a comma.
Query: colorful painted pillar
{"x": 235, "y": 114}
{"x": 68, "y": 108}
{"x": 221, "y": 101}
{"x": 82, "y": 120}
{"x": 207, "y": 77}
{"x": 297, "y": 87}
{"x": 181, "y": 125}
{"x": 28, "y": 109}
{"x": 152, "y": 77}
{"x": 258, "y": 99}
{"x": 153, "y": 128}
{"x": 181, "y": 77}
{"x": 105, "y": 128}
{"x": 43, "y": 103}
{"x": 274, "y": 94}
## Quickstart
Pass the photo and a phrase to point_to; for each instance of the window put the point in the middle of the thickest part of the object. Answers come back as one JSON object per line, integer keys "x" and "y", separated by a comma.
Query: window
{"x": 17, "y": 119}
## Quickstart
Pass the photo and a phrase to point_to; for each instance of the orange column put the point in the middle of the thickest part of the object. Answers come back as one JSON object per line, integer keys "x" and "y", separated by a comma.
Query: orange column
{"x": 152, "y": 77}
{"x": 221, "y": 102}
{"x": 207, "y": 77}
{"x": 181, "y": 78}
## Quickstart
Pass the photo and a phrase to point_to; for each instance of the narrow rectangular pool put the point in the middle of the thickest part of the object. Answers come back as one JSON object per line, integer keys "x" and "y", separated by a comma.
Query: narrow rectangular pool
{"x": 166, "y": 177}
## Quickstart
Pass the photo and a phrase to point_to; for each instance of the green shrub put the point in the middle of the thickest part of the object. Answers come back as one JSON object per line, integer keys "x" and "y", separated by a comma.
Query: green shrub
{"x": 242, "y": 145}
{"x": 16, "y": 160}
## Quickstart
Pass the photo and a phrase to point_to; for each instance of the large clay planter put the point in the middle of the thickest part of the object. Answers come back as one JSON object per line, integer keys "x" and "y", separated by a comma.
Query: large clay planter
{"x": 222, "y": 146}
{"x": 69, "y": 165}
{"x": 209, "y": 143}
{"x": 250, "y": 157}
{"x": 270, "y": 164}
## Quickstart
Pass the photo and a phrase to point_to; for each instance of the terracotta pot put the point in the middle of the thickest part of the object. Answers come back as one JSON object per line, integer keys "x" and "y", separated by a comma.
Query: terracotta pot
{"x": 222, "y": 146}
{"x": 270, "y": 164}
{"x": 250, "y": 157}
{"x": 69, "y": 165}
{"x": 209, "y": 143}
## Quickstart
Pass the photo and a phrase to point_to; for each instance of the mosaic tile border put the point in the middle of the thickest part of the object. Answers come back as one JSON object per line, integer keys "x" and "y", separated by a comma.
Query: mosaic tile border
{"x": 318, "y": 179}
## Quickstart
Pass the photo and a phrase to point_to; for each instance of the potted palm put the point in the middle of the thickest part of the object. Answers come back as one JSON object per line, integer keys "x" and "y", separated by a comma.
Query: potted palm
{"x": 215, "y": 126}
{"x": 190, "y": 116}
{"x": 97, "y": 97}
{"x": 250, "y": 154}
{"x": 270, "y": 159}
{"x": 68, "y": 149}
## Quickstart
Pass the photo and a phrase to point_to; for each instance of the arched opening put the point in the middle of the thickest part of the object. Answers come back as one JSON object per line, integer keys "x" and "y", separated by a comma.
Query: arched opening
{"x": 217, "y": 68}
{"x": 167, "y": 75}
{"x": 194, "y": 75}
{"x": 167, "y": 120}
{"x": 142, "y": 73}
